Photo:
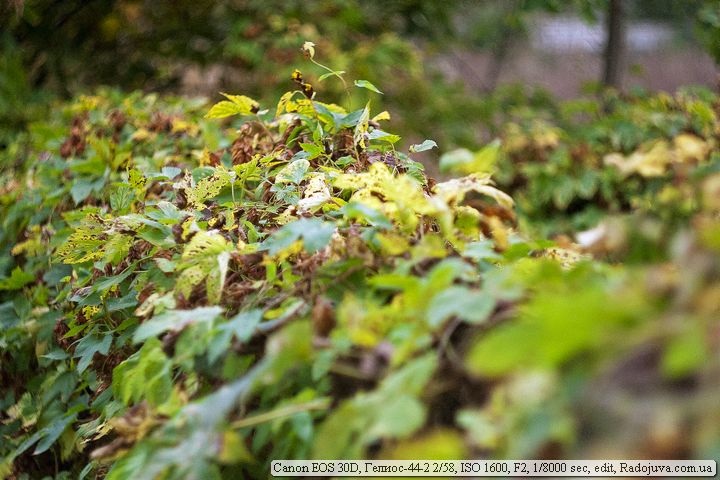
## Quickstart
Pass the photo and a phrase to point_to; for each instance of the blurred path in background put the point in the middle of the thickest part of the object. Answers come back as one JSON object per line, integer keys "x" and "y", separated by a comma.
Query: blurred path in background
{"x": 563, "y": 53}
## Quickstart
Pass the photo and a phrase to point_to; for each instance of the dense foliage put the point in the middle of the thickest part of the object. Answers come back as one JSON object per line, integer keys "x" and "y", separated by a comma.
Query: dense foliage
{"x": 191, "y": 297}
{"x": 569, "y": 165}
{"x": 50, "y": 48}
{"x": 191, "y": 44}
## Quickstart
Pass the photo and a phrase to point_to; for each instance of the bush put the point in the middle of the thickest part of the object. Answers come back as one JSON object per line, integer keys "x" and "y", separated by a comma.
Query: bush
{"x": 195, "y": 296}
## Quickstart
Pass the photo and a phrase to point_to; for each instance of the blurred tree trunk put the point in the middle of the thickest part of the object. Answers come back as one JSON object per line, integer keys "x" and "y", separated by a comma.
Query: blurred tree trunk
{"x": 509, "y": 30}
{"x": 615, "y": 45}
{"x": 499, "y": 55}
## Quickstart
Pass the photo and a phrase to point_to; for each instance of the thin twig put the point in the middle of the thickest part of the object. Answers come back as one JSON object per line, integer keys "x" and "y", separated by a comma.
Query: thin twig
{"x": 318, "y": 404}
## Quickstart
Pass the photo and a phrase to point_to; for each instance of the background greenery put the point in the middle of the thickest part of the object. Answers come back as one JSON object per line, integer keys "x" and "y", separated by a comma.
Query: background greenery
{"x": 64, "y": 48}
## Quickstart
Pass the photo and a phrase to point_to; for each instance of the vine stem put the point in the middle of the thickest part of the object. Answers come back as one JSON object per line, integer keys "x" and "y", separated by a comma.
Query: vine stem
{"x": 319, "y": 404}
{"x": 345, "y": 87}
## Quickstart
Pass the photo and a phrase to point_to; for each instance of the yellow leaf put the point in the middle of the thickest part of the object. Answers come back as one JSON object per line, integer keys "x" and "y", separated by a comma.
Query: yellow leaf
{"x": 384, "y": 115}
{"x": 182, "y": 126}
{"x": 565, "y": 257}
{"x": 140, "y": 134}
{"x": 689, "y": 148}
{"x": 234, "y": 105}
{"x": 233, "y": 449}
{"x": 454, "y": 191}
{"x": 392, "y": 243}
{"x": 648, "y": 161}
{"x": 440, "y": 444}
{"x": 309, "y": 49}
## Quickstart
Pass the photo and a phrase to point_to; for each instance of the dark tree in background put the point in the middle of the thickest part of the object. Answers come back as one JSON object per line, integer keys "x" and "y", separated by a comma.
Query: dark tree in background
{"x": 615, "y": 45}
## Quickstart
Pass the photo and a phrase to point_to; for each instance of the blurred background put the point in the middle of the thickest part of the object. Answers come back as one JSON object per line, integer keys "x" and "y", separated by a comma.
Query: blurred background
{"x": 445, "y": 67}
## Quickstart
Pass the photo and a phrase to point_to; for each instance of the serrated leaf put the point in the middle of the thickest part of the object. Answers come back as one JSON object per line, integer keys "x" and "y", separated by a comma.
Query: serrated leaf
{"x": 234, "y": 105}
{"x": 314, "y": 149}
{"x": 205, "y": 257}
{"x": 224, "y": 109}
{"x": 144, "y": 375}
{"x": 107, "y": 283}
{"x": 121, "y": 303}
{"x": 17, "y": 280}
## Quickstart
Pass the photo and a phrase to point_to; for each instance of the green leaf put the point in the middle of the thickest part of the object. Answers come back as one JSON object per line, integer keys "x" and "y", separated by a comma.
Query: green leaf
{"x": 121, "y": 303}
{"x": 293, "y": 172}
{"x": 473, "y": 306}
{"x": 482, "y": 431}
{"x": 83, "y": 187}
{"x": 313, "y": 149}
{"x": 52, "y": 432}
{"x": 367, "y": 85}
{"x": 360, "y": 211}
{"x": 330, "y": 74}
{"x": 465, "y": 162}
{"x": 482, "y": 250}
{"x": 400, "y": 416}
{"x": 88, "y": 346}
{"x": 243, "y": 324}
{"x": 586, "y": 323}
{"x": 378, "y": 134}
{"x": 685, "y": 353}
{"x": 17, "y": 280}
{"x": 107, "y": 283}
{"x": 144, "y": 375}
{"x": 191, "y": 439}
{"x": 563, "y": 192}
{"x": 314, "y": 233}
{"x": 121, "y": 198}
{"x": 393, "y": 410}
{"x": 421, "y": 147}
{"x": 57, "y": 354}
{"x": 175, "y": 320}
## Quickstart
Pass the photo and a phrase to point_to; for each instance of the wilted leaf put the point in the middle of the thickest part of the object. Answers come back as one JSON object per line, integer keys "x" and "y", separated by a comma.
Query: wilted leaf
{"x": 425, "y": 145}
